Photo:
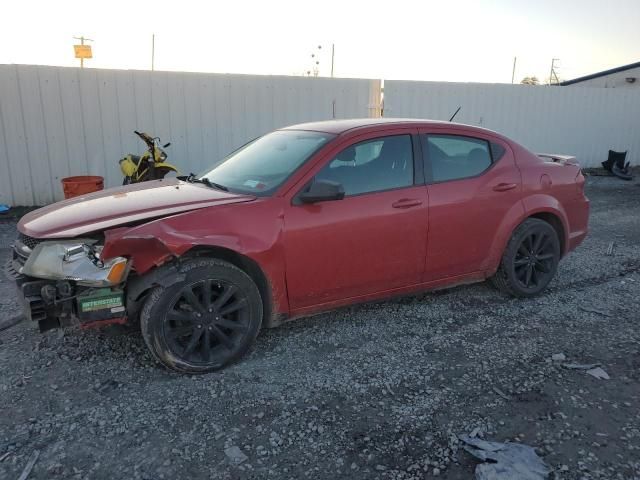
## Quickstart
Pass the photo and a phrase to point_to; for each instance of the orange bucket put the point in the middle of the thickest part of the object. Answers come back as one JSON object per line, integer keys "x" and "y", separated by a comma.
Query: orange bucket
{"x": 75, "y": 186}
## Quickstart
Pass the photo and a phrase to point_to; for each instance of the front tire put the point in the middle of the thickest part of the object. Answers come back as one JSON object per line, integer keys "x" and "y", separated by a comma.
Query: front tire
{"x": 205, "y": 321}
{"x": 530, "y": 260}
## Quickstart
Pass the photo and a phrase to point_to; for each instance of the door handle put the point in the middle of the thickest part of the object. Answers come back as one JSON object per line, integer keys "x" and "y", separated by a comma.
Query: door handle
{"x": 503, "y": 187}
{"x": 406, "y": 203}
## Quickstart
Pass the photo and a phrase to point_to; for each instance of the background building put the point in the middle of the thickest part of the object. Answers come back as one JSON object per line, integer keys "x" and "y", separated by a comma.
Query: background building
{"x": 620, "y": 77}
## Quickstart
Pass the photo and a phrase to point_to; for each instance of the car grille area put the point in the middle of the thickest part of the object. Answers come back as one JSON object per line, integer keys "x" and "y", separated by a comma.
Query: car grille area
{"x": 28, "y": 241}
{"x": 22, "y": 248}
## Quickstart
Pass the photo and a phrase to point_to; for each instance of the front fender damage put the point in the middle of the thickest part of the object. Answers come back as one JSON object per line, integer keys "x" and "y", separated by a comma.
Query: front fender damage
{"x": 153, "y": 250}
{"x": 244, "y": 235}
{"x": 147, "y": 248}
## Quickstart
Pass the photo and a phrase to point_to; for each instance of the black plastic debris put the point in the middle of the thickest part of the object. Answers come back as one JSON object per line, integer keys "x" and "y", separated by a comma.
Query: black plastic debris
{"x": 505, "y": 461}
{"x": 616, "y": 165}
{"x": 623, "y": 173}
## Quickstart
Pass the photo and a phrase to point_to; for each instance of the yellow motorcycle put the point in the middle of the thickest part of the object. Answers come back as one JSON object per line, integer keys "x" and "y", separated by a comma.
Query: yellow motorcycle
{"x": 151, "y": 165}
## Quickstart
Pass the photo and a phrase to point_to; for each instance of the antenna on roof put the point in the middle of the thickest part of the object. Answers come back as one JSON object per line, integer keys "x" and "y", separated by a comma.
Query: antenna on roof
{"x": 455, "y": 113}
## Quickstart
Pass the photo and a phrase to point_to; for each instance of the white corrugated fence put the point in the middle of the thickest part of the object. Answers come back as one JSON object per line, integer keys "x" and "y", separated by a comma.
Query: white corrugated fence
{"x": 581, "y": 121}
{"x": 57, "y": 122}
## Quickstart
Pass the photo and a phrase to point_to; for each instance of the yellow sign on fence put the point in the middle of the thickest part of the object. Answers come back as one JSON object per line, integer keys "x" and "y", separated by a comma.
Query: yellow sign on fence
{"x": 83, "y": 51}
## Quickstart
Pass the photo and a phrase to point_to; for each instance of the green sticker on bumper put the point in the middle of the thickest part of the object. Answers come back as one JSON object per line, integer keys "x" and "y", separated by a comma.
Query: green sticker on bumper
{"x": 101, "y": 303}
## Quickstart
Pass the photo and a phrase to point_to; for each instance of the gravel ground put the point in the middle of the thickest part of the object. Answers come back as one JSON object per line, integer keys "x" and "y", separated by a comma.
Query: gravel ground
{"x": 375, "y": 391}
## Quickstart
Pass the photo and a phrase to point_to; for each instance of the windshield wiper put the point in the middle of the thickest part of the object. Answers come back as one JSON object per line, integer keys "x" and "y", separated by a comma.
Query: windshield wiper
{"x": 191, "y": 178}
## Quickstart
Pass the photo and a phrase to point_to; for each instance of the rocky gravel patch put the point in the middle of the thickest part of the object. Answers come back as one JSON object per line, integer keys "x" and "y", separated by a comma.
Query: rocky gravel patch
{"x": 376, "y": 391}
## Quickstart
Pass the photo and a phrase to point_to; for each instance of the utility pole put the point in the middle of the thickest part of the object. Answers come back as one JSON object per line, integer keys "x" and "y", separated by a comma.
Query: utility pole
{"x": 513, "y": 72}
{"x": 82, "y": 53}
{"x": 153, "y": 50}
{"x": 333, "y": 46}
{"x": 552, "y": 73}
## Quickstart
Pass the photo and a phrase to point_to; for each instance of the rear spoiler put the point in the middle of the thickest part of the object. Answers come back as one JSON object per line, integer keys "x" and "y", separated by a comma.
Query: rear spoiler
{"x": 562, "y": 159}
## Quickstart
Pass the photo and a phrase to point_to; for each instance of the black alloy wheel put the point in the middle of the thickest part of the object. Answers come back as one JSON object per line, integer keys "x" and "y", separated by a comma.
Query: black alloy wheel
{"x": 530, "y": 260}
{"x": 208, "y": 318}
{"x": 206, "y": 321}
{"x": 535, "y": 259}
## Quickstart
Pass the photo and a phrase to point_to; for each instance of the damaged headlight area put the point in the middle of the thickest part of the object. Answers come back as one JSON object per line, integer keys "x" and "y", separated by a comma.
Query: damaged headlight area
{"x": 78, "y": 261}
{"x": 67, "y": 282}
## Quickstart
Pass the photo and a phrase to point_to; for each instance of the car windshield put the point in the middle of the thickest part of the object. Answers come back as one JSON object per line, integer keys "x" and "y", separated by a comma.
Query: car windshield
{"x": 262, "y": 165}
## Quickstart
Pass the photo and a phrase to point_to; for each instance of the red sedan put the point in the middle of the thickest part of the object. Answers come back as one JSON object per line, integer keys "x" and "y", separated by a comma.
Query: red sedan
{"x": 304, "y": 219}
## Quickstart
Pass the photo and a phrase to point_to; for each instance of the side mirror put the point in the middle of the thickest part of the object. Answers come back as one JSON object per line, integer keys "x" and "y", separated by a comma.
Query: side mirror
{"x": 322, "y": 191}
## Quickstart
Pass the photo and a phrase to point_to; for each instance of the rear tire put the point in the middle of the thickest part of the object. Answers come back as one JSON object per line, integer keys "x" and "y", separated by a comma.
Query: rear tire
{"x": 530, "y": 260}
{"x": 205, "y": 321}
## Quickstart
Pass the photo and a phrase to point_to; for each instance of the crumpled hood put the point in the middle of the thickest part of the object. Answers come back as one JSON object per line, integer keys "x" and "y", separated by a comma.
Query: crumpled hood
{"x": 121, "y": 205}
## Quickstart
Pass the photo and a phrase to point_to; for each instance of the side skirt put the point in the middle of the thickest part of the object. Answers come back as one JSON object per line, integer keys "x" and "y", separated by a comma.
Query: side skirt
{"x": 434, "y": 285}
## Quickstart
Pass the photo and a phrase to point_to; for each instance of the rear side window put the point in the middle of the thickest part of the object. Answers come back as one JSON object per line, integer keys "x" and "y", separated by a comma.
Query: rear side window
{"x": 454, "y": 157}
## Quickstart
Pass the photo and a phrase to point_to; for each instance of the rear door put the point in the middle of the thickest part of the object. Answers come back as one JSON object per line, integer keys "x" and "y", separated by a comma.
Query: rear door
{"x": 473, "y": 184}
{"x": 372, "y": 240}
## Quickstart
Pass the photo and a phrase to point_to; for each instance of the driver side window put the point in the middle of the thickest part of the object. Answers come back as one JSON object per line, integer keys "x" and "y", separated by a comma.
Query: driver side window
{"x": 375, "y": 165}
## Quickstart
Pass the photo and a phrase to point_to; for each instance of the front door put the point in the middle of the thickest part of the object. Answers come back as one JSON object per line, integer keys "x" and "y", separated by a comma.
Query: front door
{"x": 372, "y": 240}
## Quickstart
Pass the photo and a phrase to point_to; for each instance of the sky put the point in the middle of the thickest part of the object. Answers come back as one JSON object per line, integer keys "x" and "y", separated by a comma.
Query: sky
{"x": 445, "y": 40}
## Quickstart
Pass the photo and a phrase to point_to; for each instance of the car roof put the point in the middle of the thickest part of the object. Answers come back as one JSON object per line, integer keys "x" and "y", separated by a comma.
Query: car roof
{"x": 341, "y": 126}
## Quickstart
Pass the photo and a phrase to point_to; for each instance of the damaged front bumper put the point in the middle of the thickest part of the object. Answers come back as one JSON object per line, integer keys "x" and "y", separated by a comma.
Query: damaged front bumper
{"x": 61, "y": 304}
{"x": 54, "y": 303}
